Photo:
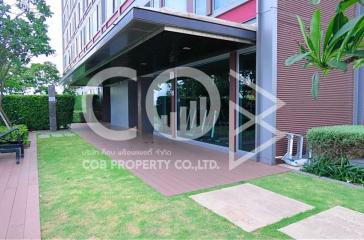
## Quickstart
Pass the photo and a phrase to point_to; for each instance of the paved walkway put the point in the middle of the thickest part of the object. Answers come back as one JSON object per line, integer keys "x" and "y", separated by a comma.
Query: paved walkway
{"x": 19, "y": 195}
{"x": 172, "y": 180}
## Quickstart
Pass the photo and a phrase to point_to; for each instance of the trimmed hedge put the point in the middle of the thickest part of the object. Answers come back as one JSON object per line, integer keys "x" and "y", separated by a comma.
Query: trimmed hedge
{"x": 23, "y": 132}
{"x": 337, "y": 142}
{"x": 65, "y": 106}
{"x": 32, "y": 110}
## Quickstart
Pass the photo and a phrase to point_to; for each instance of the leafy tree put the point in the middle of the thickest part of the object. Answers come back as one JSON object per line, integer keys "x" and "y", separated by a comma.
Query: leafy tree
{"x": 36, "y": 77}
{"x": 14, "y": 83}
{"x": 342, "y": 43}
{"x": 23, "y": 35}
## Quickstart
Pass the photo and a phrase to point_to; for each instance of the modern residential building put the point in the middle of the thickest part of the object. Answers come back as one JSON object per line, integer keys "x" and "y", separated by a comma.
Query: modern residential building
{"x": 236, "y": 42}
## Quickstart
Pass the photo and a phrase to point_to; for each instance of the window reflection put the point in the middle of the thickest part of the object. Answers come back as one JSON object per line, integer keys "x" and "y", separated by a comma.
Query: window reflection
{"x": 180, "y": 5}
{"x": 200, "y": 7}
{"x": 162, "y": 99}
{"x": 218, "y": 4}
{"x": 247, "y": 99}
{"x": 190, "y": 90}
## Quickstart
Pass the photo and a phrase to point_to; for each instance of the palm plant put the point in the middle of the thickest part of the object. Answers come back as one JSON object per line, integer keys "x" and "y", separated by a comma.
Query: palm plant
{"x": 341, "y": 45}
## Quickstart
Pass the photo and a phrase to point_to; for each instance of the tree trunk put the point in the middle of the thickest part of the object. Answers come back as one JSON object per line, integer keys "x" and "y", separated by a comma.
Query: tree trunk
{"x": 3, "y": 115}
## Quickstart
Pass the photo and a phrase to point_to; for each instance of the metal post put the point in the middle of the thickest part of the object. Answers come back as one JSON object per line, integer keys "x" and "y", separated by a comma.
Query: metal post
{"x": 52, "y": 103}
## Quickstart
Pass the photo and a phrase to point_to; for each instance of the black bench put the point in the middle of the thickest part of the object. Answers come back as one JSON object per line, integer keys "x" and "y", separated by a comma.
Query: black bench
{"x": 11, "y": 146}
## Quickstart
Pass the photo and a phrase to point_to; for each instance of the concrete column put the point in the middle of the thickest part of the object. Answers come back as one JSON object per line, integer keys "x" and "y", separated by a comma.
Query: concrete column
{"x": 133, "y": 104}
{"x": 52, "y": 105}
{"x": 106, "y": 113}
{"x": 233, "y": 98}
{"x": 144, "y": 125}
{"x": 266, "y": 74}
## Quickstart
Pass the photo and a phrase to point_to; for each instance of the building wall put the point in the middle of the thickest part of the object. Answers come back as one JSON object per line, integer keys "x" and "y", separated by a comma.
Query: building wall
{"x": 335, "y": 103}
{"x": 119, "y": 100}
{"x": 86, "y": 21}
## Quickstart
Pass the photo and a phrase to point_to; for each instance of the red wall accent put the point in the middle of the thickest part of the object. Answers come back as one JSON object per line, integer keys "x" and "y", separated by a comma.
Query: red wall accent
{"x": 125, "y": 5}
{"x": 242, "y": 13}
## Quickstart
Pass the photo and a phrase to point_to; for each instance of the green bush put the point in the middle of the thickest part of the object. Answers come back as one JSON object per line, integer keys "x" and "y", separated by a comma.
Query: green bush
{"x": 78, "y": 114}
{"x": 337, "y": 142}
{"x": 339, "y": 170}
{"x": 65, "y": 105}
{"x": 32, "y": 110}
{"x": 23, "y": 133}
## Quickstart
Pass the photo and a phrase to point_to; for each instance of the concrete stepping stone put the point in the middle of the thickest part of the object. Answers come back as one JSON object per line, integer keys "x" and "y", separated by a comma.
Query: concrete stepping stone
{"x": 335, "y": 223}
{"x": 57, "y": 135}
{"x": 69, "y": 135}
{"x": 250, "y": 207}
{"x": 44, "y": 136}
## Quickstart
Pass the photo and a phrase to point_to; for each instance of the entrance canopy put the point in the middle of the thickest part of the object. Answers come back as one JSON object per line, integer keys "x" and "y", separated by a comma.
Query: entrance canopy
{"x": 150, "y": 40}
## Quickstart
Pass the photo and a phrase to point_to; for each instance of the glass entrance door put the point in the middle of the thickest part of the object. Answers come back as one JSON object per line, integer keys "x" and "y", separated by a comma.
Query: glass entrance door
{"x": 247, "y": 101}
{"x": 190, "y": 90}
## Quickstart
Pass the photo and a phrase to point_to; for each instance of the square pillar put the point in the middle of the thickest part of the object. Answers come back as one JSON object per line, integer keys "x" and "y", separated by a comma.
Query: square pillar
{"x": 106, "y": 110}
{"x": 233, "y": 101}
{"x": 144, "y": 126}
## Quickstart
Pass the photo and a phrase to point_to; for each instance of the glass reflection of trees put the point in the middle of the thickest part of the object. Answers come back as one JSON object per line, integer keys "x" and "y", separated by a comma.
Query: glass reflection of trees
{"x": 247, "y": 99}
{"x": 191, "y": 90}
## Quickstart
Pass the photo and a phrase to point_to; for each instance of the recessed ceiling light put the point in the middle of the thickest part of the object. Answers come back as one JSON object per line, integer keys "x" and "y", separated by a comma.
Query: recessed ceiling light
{"x": 186, "y": 48}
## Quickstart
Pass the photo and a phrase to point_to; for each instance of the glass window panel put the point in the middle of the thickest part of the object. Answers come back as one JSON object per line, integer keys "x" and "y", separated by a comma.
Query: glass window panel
{"x": 180, "y": 5}
{"x": 190, "y": 90}
{"x": 163, "y": 103}
{"x": 109, "y": 8}
{"x": 200, "y": 7}
{"x": 247, "y": 99}
{"x": 150, "y": 3}
{"x": 222, "y": 3}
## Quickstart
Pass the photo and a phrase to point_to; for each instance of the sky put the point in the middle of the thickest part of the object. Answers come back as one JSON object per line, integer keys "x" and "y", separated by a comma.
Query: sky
{"x": 55, "y": 34}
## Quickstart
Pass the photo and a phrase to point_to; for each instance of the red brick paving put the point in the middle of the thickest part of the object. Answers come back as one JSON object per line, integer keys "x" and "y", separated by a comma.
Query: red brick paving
{"x": 174, "y": 181}
{"x": 19, "y": 195}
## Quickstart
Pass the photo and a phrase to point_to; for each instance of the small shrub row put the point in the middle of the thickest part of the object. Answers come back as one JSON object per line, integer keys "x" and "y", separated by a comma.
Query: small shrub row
{"x": 23, "y": 134}
{"x": 337, "y": 142}
{"x": 33, "y": 112}
{"x": 340, "y": 170}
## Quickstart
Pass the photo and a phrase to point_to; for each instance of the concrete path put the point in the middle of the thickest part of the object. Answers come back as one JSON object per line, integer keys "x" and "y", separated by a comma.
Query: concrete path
{"x": 335, "y": 223}
{"x": 19, "y": 195}
{"x": 250, "y": 207}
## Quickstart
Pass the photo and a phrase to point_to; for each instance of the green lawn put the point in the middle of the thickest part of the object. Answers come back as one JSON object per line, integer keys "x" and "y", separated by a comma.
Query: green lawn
{"x": 112, "y": 203}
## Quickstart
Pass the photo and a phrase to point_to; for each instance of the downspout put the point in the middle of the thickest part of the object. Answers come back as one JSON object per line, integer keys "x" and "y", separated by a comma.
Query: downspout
{"x": 358, "y": 111}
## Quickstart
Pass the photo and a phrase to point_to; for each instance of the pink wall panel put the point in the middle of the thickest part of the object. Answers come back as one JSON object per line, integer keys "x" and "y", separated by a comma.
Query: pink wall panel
{"x": 242, "y": 13}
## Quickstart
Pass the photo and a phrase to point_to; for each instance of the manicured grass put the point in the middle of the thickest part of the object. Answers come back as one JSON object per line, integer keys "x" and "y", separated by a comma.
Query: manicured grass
{"x": 111, "y": 203}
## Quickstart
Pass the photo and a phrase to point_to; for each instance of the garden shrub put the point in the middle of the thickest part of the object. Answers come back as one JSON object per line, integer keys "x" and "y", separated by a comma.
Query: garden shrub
{"x": 32, "y": 110}
{"x": 65, "y": 106}
{"x": 78, "y": 113}
{"x": 341, "y": 170}
{"x": 23, "y": 132}
{"x": 337, "y": 142}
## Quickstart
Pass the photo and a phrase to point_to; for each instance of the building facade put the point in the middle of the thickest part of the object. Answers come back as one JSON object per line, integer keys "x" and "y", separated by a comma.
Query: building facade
{"x": 239, "y": 44}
